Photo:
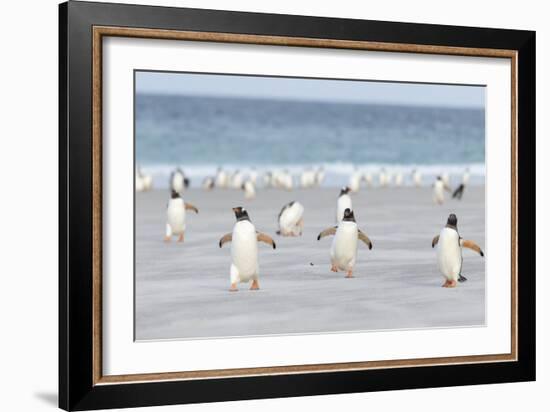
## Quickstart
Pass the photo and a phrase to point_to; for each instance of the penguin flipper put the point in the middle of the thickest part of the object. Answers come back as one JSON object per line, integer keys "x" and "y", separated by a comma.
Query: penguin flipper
{"x": 470, "y": 244}
{"x": 262, "y": 237}
{"x": 226, "y": 238}
{"x": 327, "y": 232}
{"x": 189, "y": 206}
{"x": 363, "y": 237}
{"x": 435, "y": 240}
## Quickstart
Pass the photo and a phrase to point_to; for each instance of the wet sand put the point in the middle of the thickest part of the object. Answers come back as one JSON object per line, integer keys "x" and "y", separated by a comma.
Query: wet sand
{"x": 182, "y": 289}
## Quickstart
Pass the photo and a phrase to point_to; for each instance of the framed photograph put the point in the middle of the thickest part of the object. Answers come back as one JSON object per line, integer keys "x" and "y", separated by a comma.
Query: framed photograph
{"x": 256, "y": 205}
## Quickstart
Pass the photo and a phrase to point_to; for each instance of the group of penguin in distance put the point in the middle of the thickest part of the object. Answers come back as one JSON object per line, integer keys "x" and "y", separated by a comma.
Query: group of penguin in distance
{"x": 244, "y": 239}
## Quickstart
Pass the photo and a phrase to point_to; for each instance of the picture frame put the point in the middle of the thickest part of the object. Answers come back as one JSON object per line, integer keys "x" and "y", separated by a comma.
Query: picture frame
{"x": 83, "y": 27}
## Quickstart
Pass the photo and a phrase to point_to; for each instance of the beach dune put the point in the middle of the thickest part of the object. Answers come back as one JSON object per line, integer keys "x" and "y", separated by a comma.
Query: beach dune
{"x": 182, "y": 289}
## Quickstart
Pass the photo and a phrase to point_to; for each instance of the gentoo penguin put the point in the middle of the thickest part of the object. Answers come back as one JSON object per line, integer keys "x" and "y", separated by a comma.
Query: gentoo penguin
{"x": 208, "y": 183}
{"x": 253, "y": 176}
{"x": 140, "y": 185}
{"x": 307, "y": 178}
{"x": 417, "y": 177}
{"x": 449, "y": 252}
{"x": 398, "y": 179}
{"x": 438, "y": 191}
{"x": 285, "y": 180}
{"x": 466, "y": 176}
{"x": 355, "y": 181}
{"x": 290, "y": 219}
{"x": 368, "y": 178}
{"x": 446, "y": 179}
{"x": 146, "y": 180}
{"x": 249, "y": 190}
{"x": 344, "y": 245}
{"x": 237, "y": 180}
{"x": 221, "y": 178}
{"x": 175, "y": 216}
{"x": 177, "y": 181}
{"x": 244, "y": 250}
{"x": 319, "y": 176}
{"x": 343, "y": 203}
{"x": 383, "y": 178}
{"x": 459, "y": 191}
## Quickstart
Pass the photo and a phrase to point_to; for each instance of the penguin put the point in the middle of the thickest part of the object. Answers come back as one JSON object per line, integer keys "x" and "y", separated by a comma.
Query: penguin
{"x": 343, "y": 203}
{"x": 368, "y": 178}
{"x": 177, "y": 181}
{"x": 343, "y": 251}
{"x": 244, "y": 250}
{"x": 268, "y": 179}
{"x": 253, "y": 177}
{"x": 175, "y": 216}
{"x": 221, "y": 178}
{"x": 286, "y": 181}
{"x": 290, "y": 219}
{"x": 466, "y": 176}
{"x": 446, "y": 179}
{"x": 383, "y": 178}
{"x": 208, "y": 183}
{"x": 237, "y": 180}
{"x": 355, "y": 181}
{"x": 249, "y": 190}
{"x": 319, "y": 176}
{"x": 140, "y": 184}
{"x": 459, "y": 191}
{"x": 398, "y": 179}
{"x": 449, "y": 252}
{"x": 417, "y": 177}
{"x": 438, "y": 190}
{"x": 307, "y": 178}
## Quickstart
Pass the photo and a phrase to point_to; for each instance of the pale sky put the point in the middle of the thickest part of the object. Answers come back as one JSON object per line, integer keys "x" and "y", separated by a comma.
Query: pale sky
{"x": 310, "y": 89}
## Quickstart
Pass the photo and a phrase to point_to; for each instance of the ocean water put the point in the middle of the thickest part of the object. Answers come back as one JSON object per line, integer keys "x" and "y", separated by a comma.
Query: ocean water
{"x": 200, "y": 134}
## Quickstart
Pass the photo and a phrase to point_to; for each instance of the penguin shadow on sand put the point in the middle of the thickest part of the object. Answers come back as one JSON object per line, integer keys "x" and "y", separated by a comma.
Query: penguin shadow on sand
{"x": 449, "y": 252}
{"x": 244, "y": 250}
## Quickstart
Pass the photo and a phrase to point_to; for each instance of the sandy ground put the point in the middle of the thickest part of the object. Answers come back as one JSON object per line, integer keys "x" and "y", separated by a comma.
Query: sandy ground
{"x": 182, "y": 289}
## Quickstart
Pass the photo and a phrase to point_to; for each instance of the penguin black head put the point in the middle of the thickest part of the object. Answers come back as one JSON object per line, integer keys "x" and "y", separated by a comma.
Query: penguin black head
{"x": 241, "y": 213}
{"x": 348, "y": 215}
{"x": 438, "y": 178}
{"x": 344, "y": 191}
{"x": 452, "y": 220}
{"x": 175, "y": 195}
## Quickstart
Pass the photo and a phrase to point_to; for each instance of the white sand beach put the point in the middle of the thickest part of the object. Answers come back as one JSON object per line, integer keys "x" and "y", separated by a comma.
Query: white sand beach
{"x": 182, "y": 289}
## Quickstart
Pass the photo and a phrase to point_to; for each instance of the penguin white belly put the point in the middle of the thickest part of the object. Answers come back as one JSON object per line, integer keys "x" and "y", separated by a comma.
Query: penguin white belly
{"x": 244, "y": 252}
{"x": 354, "y": 182}
{"x": 288, "y": 222}
{"x": 438, "y": 195}
{"x": 449, "y": 254}
{"x": 177, "y": 183}
{"x": 344, "y": 246}
{"x": 344, "y": 202}
{"x": 176, "y": 216}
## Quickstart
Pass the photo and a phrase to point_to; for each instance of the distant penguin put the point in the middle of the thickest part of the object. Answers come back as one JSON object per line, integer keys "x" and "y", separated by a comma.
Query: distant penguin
{"x": 249, "y": 190}
{"x": 290, "y": 219}
{"x": 417, "y": 177}
{"x": 140, "y": 185}
{"x": 319, "y": 176}
{"x": 368, "y": 178}
{"x": 449, "y": 252}
{"x": 438, "y": 191}
{"x": 383, "y": 178}
{"x": 237, "y": 180}
{"x": 208, "y": 183}
{"x": 466, "y": 176}
{"x": 268, "y": 179}
{"x": 307, "y": 178}
{"x": 244, "y": 250}
{"x": 355, "y": 181}
{"x": 221, "y": 178}
{"x": 343, "y": 203}
{"x": 175, "y": 217}
{"x": 446, "y": 179}
{"x": 147, "y": 181}
{"x": 177, "y": 181}
{"x": 343, "y": 251}
{"x": 253, "y": 176}
{"x": 398, "y": 179}
{"x": 459, "y": 191}
{"x": 287, "y": 182}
